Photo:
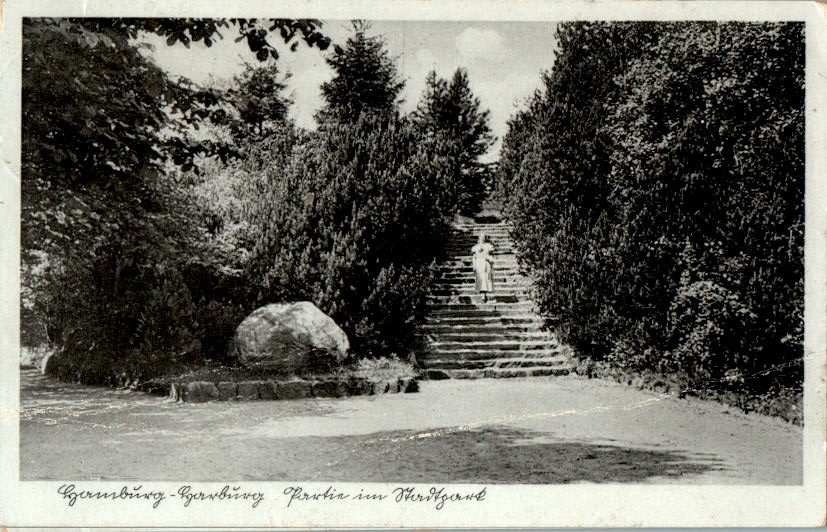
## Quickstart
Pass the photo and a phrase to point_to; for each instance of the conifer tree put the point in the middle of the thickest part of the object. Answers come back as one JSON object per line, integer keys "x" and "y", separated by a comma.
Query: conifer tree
{"x": 365, "y": 79}
{"x": 258, "y": 94}
{"x": 452, "y": 109}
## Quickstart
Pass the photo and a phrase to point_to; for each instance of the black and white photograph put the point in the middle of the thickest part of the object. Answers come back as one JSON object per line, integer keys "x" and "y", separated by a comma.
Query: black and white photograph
{"x": 343, "y": 266}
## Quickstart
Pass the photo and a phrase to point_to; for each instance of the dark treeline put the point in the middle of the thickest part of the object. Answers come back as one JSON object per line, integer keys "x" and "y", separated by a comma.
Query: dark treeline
{"x": 656, "y": 185}
{"x": 157, "y": 214}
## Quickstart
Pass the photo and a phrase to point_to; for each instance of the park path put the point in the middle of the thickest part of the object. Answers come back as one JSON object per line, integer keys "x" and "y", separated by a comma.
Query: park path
{"x": 464, "y": 337}
{"x": 524, "y": 430}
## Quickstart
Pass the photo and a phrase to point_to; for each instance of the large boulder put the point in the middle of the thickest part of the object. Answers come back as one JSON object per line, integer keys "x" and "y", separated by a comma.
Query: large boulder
{"x": 290, "y": 338}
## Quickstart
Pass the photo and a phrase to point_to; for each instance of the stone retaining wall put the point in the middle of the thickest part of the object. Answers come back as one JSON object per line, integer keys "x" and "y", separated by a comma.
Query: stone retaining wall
{"x": 203, "y": 391}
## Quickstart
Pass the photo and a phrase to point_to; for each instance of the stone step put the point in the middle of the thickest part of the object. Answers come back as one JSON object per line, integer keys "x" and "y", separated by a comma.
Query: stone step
{"x": 494, "y": 319}
{"x": 508, "y": 347}
{"x": 464, "y": 337}
{"x": 499, "y": 224}
{"x": 556, "y": 361}
{"x": 463, "y": 310}
{"x": 493, "y": 354}
{"x": 467, "y": 275}
{"x": 476, "y": 229}
{"x": 488, "y": 328}
{"x": 486, "y": 228}
{"x": 476, "y": 313}
{"x": 427, "y": 359}
{"x": 500, "y": 266}
{"x": 475, "y": 338}
{"x": 469, "y": 282}
{"x": 466, "y": 258}
{"x": 472, "y": 296}
{"x": 465, "y": 249}
{"x": 469, "y": 238}
{"x": 484, "y": 333}
{"x": 494, "y": 237}
{"x": 469, "y": 241}
{"x": 472, "y": 239}
{"x": 501, "y": 249}
{"x": 460, "y": 276}
{"x": 465, "y": 255}
{"x": 500, "y": 373}
{"x": 457, "y": 363}
{"x": 503, "y": 265}
{"x": 470, "y": 290}
{"x": 476, "y": 299}
{"x": 466, "y": 268}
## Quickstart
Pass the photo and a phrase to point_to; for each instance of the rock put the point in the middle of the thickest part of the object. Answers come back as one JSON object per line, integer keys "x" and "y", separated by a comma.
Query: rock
{"x": 436, "y": 375}
{"x": 408, "y": 385}
{"x": 331, "y": 388}
{"x": 290, "y": 338}
{"x": 154, "y": 387}
{"x": 267, "y": 391}
{"x": 380, "y": 387}
{"x": 247, "y": 391}
{"x": 227, "y": 391}
{"x": 359, "y": 387}
{"x": 294, "y": 390}
{"x": 199, "y": 392}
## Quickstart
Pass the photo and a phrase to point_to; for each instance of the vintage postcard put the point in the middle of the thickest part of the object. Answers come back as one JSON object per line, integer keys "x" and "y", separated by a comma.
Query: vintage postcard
{"x": 413, "y": 264}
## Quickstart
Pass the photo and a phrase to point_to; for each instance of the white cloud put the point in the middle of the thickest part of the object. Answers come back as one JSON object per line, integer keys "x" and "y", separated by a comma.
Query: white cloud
{"x": 425, "y": 57}
{"x": 474, "y": 43}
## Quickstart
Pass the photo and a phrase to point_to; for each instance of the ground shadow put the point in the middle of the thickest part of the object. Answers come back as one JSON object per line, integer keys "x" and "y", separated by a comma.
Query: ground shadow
{"x": 503, "y": 455}
{"x": 126, "y": 435}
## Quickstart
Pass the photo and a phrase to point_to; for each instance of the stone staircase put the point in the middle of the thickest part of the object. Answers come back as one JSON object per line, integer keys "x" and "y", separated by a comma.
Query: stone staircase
{"x": 463, "y": 337}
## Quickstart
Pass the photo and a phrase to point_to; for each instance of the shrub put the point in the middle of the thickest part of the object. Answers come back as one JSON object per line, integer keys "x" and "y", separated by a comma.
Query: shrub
{"x": 709, "y": 329}
{"x": 656, "y": 186}
{"x": 353, "y": 226}
{"x": 120, "y": 306}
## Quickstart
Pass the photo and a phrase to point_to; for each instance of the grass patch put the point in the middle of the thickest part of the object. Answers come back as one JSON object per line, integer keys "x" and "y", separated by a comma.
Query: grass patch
{"x": 763, "y": 393}
{"x": 382, "y": 369}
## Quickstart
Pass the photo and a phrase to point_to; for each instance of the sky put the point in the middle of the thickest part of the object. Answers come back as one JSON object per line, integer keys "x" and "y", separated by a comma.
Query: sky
{"x": 504, "y": 61}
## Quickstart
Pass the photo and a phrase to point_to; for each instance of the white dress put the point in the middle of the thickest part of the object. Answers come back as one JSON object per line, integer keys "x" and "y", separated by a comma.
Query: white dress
{"x": 483, "y": 263}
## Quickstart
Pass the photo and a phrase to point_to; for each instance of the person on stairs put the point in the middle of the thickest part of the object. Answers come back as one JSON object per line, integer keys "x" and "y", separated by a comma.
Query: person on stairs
{"x": 483, "y": 263}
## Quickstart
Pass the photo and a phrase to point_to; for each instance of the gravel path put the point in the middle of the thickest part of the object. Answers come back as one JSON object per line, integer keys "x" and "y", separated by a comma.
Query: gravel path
{"x": 538, "y": 430}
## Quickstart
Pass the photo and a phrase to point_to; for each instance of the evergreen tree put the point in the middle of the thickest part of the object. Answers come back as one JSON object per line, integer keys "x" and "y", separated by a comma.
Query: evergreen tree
{"x": 365, "y": 80}
{"x": 258, "y": 95}
{"x": 452, "y": 109}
